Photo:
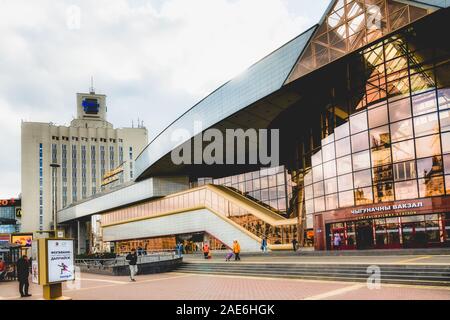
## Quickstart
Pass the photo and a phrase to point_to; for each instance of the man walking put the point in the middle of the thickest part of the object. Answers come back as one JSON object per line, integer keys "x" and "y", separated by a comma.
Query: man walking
{"x": 264, "y": 245}
{"x": 132, "y": 261}
{"x": 294, "y": 244}
{"x": 23, "y": 270}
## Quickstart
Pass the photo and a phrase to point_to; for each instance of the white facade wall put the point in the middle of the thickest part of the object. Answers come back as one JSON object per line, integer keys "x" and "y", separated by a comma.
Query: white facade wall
{"x": 186, "y": 222}
{"x": 82, "y": 133}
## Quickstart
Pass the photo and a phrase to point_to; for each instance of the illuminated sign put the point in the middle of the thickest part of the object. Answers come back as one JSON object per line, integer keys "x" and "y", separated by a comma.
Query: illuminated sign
{"x": 22, "y": 239}
{"x": 8, "y": 202}
{"x": 90, "y": 105}
{"x": 409, "y": 205}
{"x": 112, "y": 175}
{"x": 18, "y": 212}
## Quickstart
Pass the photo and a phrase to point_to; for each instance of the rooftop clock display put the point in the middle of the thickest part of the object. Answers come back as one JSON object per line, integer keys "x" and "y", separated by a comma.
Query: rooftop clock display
{"x": 90, "y": 106}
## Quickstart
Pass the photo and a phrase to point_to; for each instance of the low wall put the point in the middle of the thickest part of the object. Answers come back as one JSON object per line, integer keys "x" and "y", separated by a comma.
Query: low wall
{"x": 143, "y": 268}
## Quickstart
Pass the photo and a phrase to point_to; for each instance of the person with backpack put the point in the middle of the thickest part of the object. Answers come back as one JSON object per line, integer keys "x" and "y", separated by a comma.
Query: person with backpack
{"x": 132, "y": 261}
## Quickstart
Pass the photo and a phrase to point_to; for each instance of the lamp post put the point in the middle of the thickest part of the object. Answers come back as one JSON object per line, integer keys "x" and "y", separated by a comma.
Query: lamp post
{"x": 54, "y": 167}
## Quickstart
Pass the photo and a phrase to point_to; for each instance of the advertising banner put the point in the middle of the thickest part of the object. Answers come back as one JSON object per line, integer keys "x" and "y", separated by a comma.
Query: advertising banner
{"x": 35, "y": 262}
{"x": 60, "y": 259}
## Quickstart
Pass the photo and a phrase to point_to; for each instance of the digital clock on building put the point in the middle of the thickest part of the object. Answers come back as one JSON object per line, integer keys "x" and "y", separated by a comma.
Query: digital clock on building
{"x": 90, "y": 105}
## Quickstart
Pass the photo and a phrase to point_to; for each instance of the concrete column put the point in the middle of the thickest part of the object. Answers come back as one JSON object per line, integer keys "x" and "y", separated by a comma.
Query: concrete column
{"x": 81, "y": 237}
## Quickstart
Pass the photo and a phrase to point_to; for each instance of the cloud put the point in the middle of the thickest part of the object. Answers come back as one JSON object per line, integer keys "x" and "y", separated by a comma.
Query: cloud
{"x": 146, "y": 55}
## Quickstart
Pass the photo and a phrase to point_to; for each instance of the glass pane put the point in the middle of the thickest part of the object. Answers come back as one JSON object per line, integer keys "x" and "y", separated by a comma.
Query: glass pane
{"x": 431, "y": 186}
{"x": 429, "y": 166}
{"x": 329, "y": 169}
{"x": 424, "y": 103}
{"x": 331, "y": 201}
{"x": 406, "y": 190}
{"x": 307, "y": 180}
{"x": 445, "y": 142}
{"x": 344, "y": 165}
{"x": 345, "y": 182}
{"x": 379, "y": 137}
{"x": 444, "y": 98}
{"x": 316, "y": 158}
{"x": 428, "y": 146}
{"x": 328, "y": 152}
{"x": 343, "y": 147}
{"x": 363, "y": 196}
{"x": 447, "y": 164}
{"x": 318, "y": 189}
{"x": 402, "y": 130}
{"x": 381, "y": 156}
{"x": 362, "y": 178}
{"x": 330, "y": 186}
{"x": 405, "y": 170}
{"x": 309, "y": 206}
{"x": 317, "y": 173}
{"x": 383, "y": 173}
{"x": 447, "y": 184}
{"x": 425, "y": 125}
{"x": 358, "y": 122}
{"x": 403, "y": 150}
{"x": 319, "y": 204}
{"x": 383, "y": 192}
{"x": 445, "y": 120}
{"x": 360, "y": 141}
{"x": 399, "y": 110}
{"x": 378, "y": 116}
{"x": 342, "y": 131}
{"x": 361, "y": 160}
{"x": 346, "y": 199}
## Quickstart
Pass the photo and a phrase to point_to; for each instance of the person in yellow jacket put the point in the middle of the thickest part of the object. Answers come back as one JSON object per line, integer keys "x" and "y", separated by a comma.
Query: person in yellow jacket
{"x": 236, "y": 250}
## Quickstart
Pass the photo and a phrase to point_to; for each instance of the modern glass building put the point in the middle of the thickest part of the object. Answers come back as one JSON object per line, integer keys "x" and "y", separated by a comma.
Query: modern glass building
{"x": 10, "y": 212}
{"x": 362, "y": 104}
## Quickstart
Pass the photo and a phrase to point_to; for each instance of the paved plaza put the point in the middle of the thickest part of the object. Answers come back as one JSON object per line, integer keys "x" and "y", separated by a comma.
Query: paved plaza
{"x": 179, "y": 286}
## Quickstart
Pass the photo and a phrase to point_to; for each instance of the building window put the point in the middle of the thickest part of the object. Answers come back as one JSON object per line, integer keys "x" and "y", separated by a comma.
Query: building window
{"x": 111, "y": 158}
{"x": 83, "y": 172}
{"x": 102, "y": 161}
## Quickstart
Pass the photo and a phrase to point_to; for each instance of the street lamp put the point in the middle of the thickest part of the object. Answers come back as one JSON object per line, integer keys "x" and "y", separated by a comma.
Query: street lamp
{"x": 54, "y": 167}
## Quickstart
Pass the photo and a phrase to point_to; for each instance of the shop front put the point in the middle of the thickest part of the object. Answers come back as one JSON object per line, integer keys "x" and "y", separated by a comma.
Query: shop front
{"x": 422, "y": 223}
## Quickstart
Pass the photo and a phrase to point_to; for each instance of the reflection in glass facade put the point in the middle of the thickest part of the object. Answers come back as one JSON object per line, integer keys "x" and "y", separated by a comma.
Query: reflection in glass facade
{"x": 272, "y": 187}
{"x": 395, "y": 144}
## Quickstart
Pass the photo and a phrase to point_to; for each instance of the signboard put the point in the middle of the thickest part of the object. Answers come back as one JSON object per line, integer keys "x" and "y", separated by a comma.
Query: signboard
{"x": 9, "y": 202}
{"x": 35, "y": 262}
{"x": 400, "y": 206}
{"x": 60, "y": 260}
{"x": 18, "y": 212}
{"x": 22, "y": 239}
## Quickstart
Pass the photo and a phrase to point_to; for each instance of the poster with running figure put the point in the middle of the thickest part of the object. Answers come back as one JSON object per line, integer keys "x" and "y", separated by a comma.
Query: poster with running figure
{"x": 61, "y": 263}
{"x": 35, "y": 262}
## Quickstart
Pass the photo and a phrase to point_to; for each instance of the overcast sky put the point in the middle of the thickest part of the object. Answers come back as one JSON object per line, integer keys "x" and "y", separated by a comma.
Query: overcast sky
{"x": 153, "y": 59}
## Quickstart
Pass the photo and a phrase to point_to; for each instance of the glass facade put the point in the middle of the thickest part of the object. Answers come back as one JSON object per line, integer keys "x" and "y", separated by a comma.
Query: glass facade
{"x": 415, "y": 231}
{"x": 395, "y": 143}
{"x": 8, "y": 220}
{"x": 350, "y": 25}
{"x": 271, "y": 187}
{"x": 376, "y": 169}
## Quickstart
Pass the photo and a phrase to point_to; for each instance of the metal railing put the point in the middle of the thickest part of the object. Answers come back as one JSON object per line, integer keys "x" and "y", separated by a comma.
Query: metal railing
{"x": 121, "y": 260}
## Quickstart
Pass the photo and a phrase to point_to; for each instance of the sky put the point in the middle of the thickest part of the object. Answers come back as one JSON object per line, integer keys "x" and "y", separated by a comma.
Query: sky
{"x": 154, "y": 59}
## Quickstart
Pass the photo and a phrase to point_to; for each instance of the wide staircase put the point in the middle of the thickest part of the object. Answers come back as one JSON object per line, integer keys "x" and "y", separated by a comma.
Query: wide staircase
{"x": 429, "y": 275}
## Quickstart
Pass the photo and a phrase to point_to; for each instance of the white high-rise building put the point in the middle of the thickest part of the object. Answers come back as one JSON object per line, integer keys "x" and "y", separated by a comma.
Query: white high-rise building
{"x": 85, "y": 151}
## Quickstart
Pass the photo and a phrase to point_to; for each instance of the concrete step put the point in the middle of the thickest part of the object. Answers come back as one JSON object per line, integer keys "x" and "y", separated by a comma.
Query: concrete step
{"x": 389, "y": 274}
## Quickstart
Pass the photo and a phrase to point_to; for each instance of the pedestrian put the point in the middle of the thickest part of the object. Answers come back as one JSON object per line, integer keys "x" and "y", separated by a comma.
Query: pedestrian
{"x": 337, "y": 241}
{"x": 23, "y": 271}
{"x": 2, "y": 269}
{"x": 264, "y": 245}
{"x": 206, "y": 250}
{"x": 132, "y": 261}
{"x": 294, "y": 244}
{"x": 236, "y": 250}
